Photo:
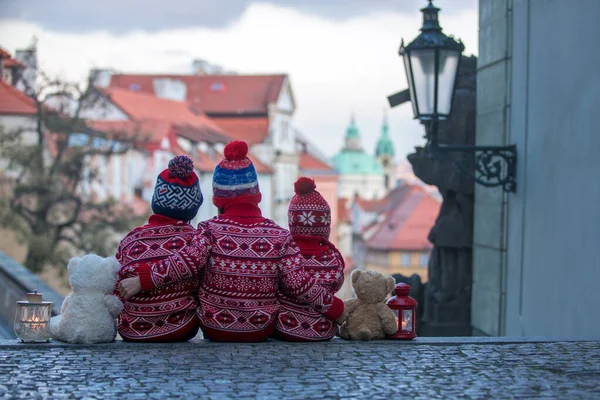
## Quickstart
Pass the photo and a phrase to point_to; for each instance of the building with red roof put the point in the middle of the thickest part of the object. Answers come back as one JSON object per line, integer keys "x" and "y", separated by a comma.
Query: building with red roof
{"x": 11, "y": 69}
{"x": 256, "y": 108}
{"x": 168, "y": 128}
{"x": 391, "y": 235}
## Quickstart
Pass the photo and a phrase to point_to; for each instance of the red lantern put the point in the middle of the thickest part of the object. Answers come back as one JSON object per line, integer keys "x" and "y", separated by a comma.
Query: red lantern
{"x": 404, "y": 306}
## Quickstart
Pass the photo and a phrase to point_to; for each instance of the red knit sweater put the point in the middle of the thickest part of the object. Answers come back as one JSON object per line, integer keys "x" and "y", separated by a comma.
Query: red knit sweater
{"x": 165, "y": 309}
{"x": 298, "y": 321}
{"x": 251, "y": 259}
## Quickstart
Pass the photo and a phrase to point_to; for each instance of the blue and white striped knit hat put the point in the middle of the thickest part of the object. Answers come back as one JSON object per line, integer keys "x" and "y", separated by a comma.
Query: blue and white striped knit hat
{"x": 235, "y": 179}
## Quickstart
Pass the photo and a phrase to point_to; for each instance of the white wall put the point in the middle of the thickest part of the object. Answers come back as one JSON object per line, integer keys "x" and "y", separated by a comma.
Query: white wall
{"x": 550, "y": 271}
{"x": 369, "y": 187}
{"x": 265, "y": 182}
{"x": 102, "y": 110}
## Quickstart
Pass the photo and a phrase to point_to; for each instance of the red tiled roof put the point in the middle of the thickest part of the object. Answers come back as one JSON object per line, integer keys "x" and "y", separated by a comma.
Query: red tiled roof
{"x": 407, "y": 226}
{"x": 388, "y": 202}
{"x": 343, "y": 210}
{"x": 152, "y": 130}
{"x": 312, "y": 163}
{"x": 376, "y": 206}
{"x": 13, "y": 101}
{"x": 215, "y": 94}
{"x": 140, "y": 106}
{"x": 251, "y": 129}
{"x": 7, "y": 59}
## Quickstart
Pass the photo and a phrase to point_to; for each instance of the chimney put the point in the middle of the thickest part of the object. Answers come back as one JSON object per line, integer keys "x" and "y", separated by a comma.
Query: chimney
{"x": 202, "y": 67}
{"x": 28, "y": 58}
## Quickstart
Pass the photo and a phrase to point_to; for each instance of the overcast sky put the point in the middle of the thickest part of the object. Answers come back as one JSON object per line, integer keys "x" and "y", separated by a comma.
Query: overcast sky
{"x": 341, "y": 55}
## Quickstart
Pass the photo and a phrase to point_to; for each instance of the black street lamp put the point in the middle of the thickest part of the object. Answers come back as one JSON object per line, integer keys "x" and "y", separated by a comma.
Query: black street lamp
{"x": 431, "y": 62}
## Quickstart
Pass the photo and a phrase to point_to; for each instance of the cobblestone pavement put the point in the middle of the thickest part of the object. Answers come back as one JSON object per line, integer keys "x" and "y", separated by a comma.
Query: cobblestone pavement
{"x": 276, "y": 370}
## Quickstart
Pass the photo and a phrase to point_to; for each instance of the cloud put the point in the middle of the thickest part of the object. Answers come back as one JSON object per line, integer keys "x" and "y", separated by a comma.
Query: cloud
{"x": 336, "y": 66}
{"x": 121, "y": 16}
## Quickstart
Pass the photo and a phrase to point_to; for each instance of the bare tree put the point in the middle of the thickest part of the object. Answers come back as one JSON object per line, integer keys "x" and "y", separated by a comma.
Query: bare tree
{"x": 48, "y": 166}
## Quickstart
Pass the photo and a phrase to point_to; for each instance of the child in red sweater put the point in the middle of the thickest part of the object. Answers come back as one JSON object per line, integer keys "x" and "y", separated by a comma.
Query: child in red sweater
{"x": 158, "y": 282}
{"x": 250, "y": 260}
{"x": 309, "y": 219}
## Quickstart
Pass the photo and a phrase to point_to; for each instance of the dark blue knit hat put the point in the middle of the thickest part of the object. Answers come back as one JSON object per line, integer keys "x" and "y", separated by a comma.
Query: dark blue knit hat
{"x": 177, "y": 191}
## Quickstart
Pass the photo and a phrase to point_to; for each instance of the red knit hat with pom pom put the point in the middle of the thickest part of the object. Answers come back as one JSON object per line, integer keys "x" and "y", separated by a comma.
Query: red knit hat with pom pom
{"x": 309, "y": 214}
{"x": 235, "y": 178}
{"x": 177, "y": 191}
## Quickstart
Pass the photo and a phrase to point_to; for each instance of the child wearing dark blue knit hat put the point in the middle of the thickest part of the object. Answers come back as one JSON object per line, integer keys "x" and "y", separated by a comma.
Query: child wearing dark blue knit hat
{"x": 152, "y": 261}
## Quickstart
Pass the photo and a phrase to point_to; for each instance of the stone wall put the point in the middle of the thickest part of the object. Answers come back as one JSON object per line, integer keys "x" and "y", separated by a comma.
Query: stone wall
{"x": 536, "y": 267}
{"x": 493, "y": 115}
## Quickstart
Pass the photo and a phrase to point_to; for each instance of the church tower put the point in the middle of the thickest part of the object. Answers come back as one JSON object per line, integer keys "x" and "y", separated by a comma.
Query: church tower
{"x": 384, "y": 152}
{"x": 352, "y": 136}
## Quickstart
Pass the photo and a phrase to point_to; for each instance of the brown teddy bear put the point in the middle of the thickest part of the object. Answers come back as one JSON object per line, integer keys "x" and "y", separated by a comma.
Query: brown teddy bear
{"x": 369, "y": 318}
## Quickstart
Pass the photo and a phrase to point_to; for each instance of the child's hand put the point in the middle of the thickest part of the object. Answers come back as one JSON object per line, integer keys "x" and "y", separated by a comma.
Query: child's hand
{"x": 129, "y": 287}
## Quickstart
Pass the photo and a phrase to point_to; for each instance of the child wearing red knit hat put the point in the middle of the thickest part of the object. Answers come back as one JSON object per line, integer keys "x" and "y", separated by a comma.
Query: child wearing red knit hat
{"x": 250, "y": 260}
{"x": 309, "y": 219}
{"x": 158, "y": 282}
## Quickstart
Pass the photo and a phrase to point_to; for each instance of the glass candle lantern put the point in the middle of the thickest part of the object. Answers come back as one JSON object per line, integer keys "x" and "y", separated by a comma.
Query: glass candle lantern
{"x": 32, "y": 320}
{"x": 405, "y": 307}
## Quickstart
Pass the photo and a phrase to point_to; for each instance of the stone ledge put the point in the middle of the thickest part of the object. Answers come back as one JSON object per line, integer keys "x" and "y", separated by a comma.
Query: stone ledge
{"x": 430, "y": 341}
{"x": 428, "y": 368}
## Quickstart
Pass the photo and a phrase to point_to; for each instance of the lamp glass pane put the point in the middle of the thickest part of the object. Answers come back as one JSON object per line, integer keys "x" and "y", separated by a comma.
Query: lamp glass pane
{"x": 413, "y": 98}
{"x": 407, "y": 316}
{"x": 447, "y": 75}
{"x": 423, "y": 69}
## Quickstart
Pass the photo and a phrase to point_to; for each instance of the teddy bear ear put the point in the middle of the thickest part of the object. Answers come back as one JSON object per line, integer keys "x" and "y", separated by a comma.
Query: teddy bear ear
{"x": 355, "y": 274}
{"x": 391, "y": 284}
{"x": 72, "y": 263}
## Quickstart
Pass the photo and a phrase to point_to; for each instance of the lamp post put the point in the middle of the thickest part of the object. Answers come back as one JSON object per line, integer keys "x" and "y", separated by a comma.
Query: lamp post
{"x": 431, "y": 62}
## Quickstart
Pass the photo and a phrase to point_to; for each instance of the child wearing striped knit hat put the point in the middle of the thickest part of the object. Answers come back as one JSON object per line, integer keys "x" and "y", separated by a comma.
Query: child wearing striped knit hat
{"x": 309, "y": 219}
{"x": 249, "y": 259}
{"x": 158, "y": 281}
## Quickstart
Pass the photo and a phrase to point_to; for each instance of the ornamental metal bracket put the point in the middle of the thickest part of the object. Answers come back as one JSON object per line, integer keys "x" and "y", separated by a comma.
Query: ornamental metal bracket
{"x": 489, "y": 166}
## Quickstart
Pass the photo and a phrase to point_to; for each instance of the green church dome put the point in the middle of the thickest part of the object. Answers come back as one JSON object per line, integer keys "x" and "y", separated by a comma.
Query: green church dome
{"x": 353, "y": 159}
{"x": 356, "y": 162}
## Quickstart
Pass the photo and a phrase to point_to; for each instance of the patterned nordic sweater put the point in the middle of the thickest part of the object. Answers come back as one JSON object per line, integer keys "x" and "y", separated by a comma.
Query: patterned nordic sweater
{"x": 298, "y": 321}
{"x": 251, "y": 259}
{"x": 165, "y": 309}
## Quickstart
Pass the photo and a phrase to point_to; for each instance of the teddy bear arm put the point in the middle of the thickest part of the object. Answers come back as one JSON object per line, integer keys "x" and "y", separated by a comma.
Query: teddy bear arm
{"x": 65, "y": 303}
{"x": 388, "y": 319}
{"x": 114, "y": 305}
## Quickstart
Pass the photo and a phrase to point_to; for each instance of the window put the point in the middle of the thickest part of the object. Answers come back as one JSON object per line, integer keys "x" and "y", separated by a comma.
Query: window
{"x": 405, "y": 260}
{"x": 423, "y": 259}
{"x": 217, "y": 87}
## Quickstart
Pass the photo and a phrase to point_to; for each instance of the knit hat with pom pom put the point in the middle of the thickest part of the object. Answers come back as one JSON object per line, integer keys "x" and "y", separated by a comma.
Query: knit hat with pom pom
{"x": 309, "y": 214}
{"x": 235, "y": 179}
{"x": 177, "y": 191}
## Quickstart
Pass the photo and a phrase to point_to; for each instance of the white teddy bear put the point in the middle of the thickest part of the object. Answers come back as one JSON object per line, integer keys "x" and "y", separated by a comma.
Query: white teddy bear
{"x": 88, "y": 313}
